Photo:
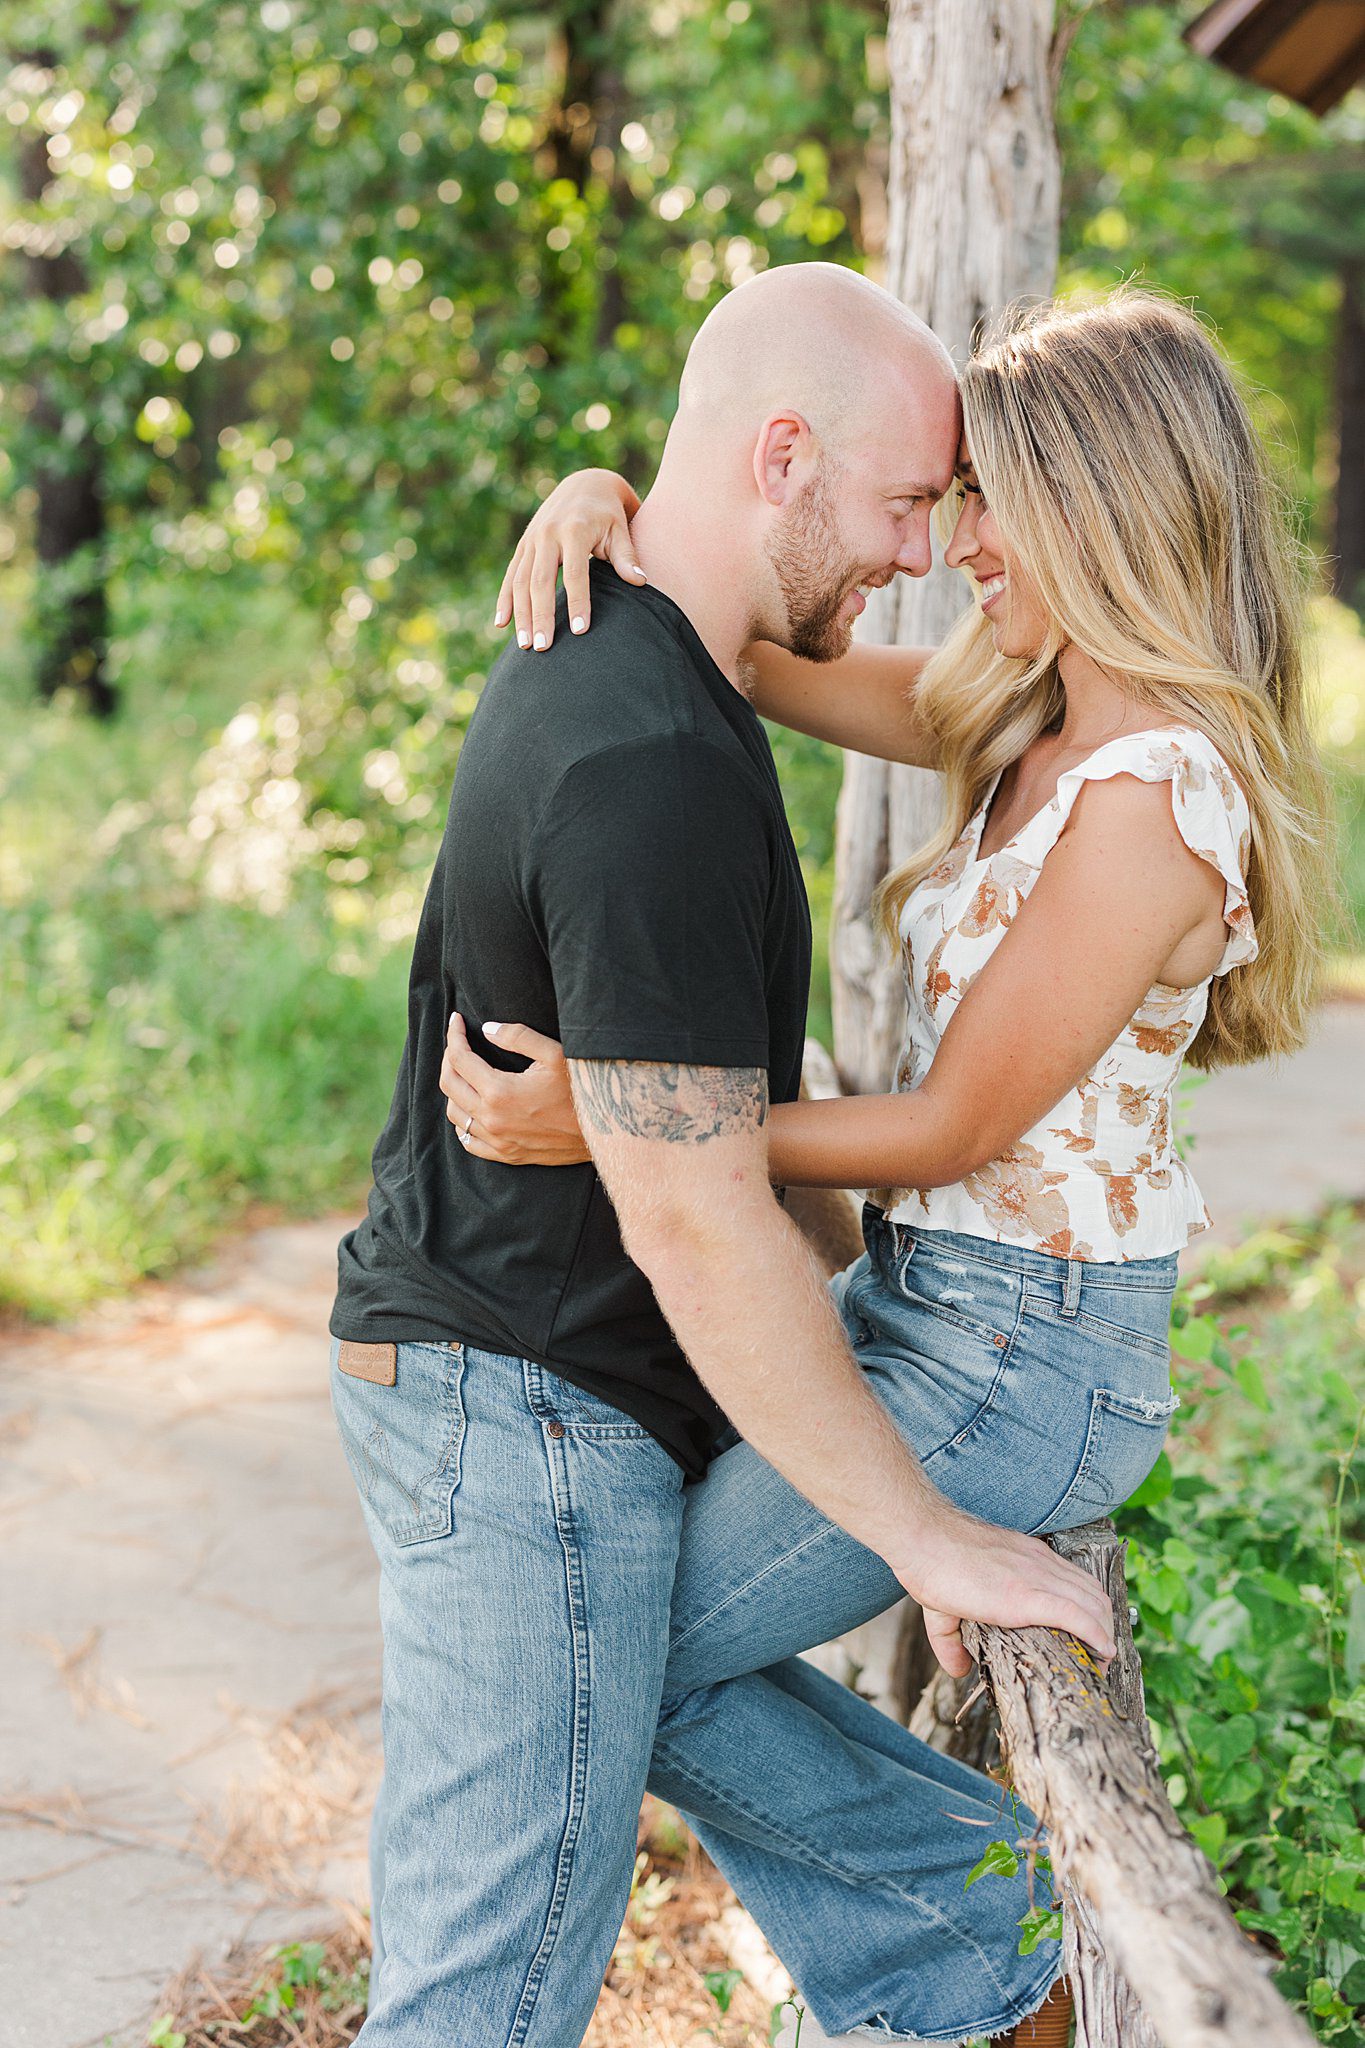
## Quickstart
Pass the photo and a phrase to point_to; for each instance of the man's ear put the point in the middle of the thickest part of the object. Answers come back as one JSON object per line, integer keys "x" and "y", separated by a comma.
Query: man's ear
{"x": 783, "y": 453}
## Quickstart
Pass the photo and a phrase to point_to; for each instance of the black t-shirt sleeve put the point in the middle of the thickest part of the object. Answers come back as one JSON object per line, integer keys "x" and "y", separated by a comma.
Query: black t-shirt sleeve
{"x": 648, "y": 877}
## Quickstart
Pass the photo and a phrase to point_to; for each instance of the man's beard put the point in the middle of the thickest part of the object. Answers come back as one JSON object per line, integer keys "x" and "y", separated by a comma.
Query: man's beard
{"x": 813, "y": 572}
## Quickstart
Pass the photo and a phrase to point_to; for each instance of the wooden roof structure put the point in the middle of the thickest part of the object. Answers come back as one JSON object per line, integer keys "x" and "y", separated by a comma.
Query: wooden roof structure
{"x": 1312, "y": 51}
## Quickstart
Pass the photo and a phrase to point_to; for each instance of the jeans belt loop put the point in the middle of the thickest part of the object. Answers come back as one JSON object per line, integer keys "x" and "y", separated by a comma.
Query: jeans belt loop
{"x": 1071, "y": 1291}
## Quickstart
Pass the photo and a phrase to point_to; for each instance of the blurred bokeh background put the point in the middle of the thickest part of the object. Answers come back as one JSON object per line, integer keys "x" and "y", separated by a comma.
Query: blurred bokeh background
{"x": 302, "y": 306}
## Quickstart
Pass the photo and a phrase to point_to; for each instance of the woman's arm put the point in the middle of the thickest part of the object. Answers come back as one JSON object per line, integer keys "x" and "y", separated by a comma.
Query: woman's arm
{"x": 864, "y": 701}
{"x": 1117, "y": 895}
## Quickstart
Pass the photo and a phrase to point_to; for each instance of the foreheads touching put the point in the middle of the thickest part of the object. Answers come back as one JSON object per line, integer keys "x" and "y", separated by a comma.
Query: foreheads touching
{"x": 829, "y": 414}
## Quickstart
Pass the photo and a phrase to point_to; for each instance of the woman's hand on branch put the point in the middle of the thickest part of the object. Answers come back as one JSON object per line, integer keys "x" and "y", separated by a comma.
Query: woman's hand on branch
{"x": 525, "y": 1119}
{"x": 587, "y": 514}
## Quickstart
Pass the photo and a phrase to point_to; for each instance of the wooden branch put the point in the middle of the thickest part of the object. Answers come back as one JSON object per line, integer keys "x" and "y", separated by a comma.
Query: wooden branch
{"x": 1156, "y": 1958}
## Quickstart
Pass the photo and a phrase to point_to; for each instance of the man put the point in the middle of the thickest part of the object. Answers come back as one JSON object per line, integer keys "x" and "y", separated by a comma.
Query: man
{"x": 529, "y": 1365}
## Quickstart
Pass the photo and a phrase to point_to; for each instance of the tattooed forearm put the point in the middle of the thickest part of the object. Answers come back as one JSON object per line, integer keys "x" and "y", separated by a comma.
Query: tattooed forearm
{"x": 656, "y": 1099}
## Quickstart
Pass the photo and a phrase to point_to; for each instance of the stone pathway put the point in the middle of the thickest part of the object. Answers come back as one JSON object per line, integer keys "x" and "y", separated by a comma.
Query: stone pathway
{"x": 189, "y": 1716}
{"x": 188, "y": 1721}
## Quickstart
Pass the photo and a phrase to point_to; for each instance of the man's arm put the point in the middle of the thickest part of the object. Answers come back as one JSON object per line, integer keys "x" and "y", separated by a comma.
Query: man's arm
{"x": 682, "y": 1151}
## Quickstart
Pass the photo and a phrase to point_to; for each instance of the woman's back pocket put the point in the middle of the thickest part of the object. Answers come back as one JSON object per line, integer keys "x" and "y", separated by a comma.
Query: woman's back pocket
{"x": 1123, "y": 1439}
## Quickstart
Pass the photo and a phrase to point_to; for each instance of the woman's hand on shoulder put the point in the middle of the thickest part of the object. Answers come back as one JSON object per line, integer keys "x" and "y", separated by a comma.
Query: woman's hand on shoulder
{"x": 588, "y": 514}
{"x": 525, "y": 1119}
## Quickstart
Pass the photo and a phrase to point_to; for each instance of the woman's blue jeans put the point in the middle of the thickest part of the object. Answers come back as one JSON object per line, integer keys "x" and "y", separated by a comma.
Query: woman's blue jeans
{"x": 565, "y": 1624}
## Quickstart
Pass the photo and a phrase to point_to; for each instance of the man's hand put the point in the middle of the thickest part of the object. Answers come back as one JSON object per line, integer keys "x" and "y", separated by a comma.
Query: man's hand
{"x": 965, "y": 1570}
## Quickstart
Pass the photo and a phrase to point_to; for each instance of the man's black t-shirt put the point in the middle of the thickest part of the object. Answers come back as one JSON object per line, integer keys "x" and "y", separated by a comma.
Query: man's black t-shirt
{"x": 617, "y": 871}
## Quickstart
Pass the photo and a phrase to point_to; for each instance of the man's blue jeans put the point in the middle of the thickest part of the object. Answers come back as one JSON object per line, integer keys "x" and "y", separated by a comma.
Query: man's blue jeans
{"x": 565, "y": 1624}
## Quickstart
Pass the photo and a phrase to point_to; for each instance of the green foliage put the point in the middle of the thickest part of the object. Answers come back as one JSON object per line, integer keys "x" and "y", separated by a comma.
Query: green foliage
{"x": 999, "y": 1860}
{"x": 169, "y": 1055}
{"x": 722, "y": 1986}
{"x": 1247, "y": 1566}
{"x": 302, "y": 1966}
{"x": 1246, "y": 1559}
{"x": 358, "y": 264}
{"x": 777, "y": 2019}
{"x": 1184, "y": 176}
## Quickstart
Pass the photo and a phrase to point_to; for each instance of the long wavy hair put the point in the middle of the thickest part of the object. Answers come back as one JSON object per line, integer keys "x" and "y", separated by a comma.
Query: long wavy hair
{"x": 1119, "y": 459}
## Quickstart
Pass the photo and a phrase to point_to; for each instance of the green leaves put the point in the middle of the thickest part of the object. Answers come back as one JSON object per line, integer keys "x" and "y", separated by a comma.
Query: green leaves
{"x": 1040, "y": 1923}
{"x": 722, "y": 1986}
{"x": 1245, "y": 1562}
{"x": 999, "y": 1860}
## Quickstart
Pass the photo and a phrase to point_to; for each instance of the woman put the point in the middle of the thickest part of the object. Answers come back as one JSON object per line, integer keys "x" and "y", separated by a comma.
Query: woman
{"x": 1131, "y": 871}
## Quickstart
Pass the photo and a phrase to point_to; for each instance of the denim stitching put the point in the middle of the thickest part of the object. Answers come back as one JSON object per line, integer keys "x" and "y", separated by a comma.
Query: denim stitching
{"x": 1039, "y": 1304}
{"x": 1105, "y": 1401}
{"x": 945, "y": 1312}
{"x": 1028, "y": 2003}
{"x": 541, "y": 1400}
{"x": 582, "y": 1677}
{"x": 738, "y": 1592}
{"x": 802, "y": 1852}
{"x": 924, "y": 1242}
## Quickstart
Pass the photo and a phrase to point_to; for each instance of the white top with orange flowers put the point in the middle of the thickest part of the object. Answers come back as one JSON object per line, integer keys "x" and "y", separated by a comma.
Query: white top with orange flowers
{"x": 1099, "y": 1177}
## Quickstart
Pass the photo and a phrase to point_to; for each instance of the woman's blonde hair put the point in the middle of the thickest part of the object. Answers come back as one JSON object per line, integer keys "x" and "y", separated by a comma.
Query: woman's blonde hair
{"x": 1119, "y": 459}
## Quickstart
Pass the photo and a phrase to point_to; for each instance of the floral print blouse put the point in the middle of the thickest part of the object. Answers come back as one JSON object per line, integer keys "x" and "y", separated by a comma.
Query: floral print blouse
{"x": 1099, "y": 1177}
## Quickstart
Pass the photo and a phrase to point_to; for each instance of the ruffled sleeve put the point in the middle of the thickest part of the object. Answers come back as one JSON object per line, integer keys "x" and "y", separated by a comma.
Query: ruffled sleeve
{"x": 1211, "y": 813}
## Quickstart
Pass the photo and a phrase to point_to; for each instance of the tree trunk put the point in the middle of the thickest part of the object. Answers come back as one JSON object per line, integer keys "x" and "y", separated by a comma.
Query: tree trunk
{"x": 973, "y": 223}
{"x": 71, "y": 620}
{"x": 1348, "y": 549}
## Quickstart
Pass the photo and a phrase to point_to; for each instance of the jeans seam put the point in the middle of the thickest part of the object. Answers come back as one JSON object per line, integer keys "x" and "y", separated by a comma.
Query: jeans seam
{"x": 803, "y": 1853}
{"x": 1086, "y": 1319}
{"x": 1028, "y": 2003}
{"x": 430, "y": 1521}
{"x": 924, "y": 1242}
{"x": 582, "y": 1680}
{"x": 738, "y": 1592}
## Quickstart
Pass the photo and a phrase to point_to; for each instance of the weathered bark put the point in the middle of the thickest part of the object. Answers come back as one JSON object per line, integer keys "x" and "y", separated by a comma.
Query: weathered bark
{"x": 974, "y": 199}
{"x": 1348, "y": 538}
{"x": 1155, "y": 1957}
{"x": 973, "y": 223}
{"x": 828, "y": 1216}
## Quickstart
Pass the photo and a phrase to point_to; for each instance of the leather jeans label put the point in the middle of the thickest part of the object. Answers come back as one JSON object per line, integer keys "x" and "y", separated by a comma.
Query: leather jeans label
{"x": 377, "y": 1362}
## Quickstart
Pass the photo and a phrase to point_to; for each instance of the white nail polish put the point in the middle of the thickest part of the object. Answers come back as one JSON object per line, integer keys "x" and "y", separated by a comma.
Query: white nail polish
{"x": 491, "y": 1030}
{"x": 577, "y": 625}
{"x": 523, "y": 639}
{"x": 539, "y": 642}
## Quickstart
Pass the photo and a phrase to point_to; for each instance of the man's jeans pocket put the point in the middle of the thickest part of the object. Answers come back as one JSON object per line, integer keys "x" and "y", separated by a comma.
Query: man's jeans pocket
{"x": 403, "y": 1441}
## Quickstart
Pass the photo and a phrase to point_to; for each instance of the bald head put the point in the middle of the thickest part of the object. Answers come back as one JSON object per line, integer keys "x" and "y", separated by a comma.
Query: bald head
{"x": 812, "y": 338}
{"x": 817, "y": 426}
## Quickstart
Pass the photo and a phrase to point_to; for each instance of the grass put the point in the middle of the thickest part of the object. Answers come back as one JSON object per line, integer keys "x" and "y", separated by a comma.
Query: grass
{"x": 192, "y": 1024}
{"x": 168, "y": 1057}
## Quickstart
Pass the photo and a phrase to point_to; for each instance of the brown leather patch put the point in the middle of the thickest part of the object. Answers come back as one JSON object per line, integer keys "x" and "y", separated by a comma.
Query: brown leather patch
{"x": 377, "y": 1362}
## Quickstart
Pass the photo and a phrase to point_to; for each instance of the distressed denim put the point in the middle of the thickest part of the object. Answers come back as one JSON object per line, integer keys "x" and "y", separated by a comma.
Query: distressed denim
{"x": 565, "y": 1623}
